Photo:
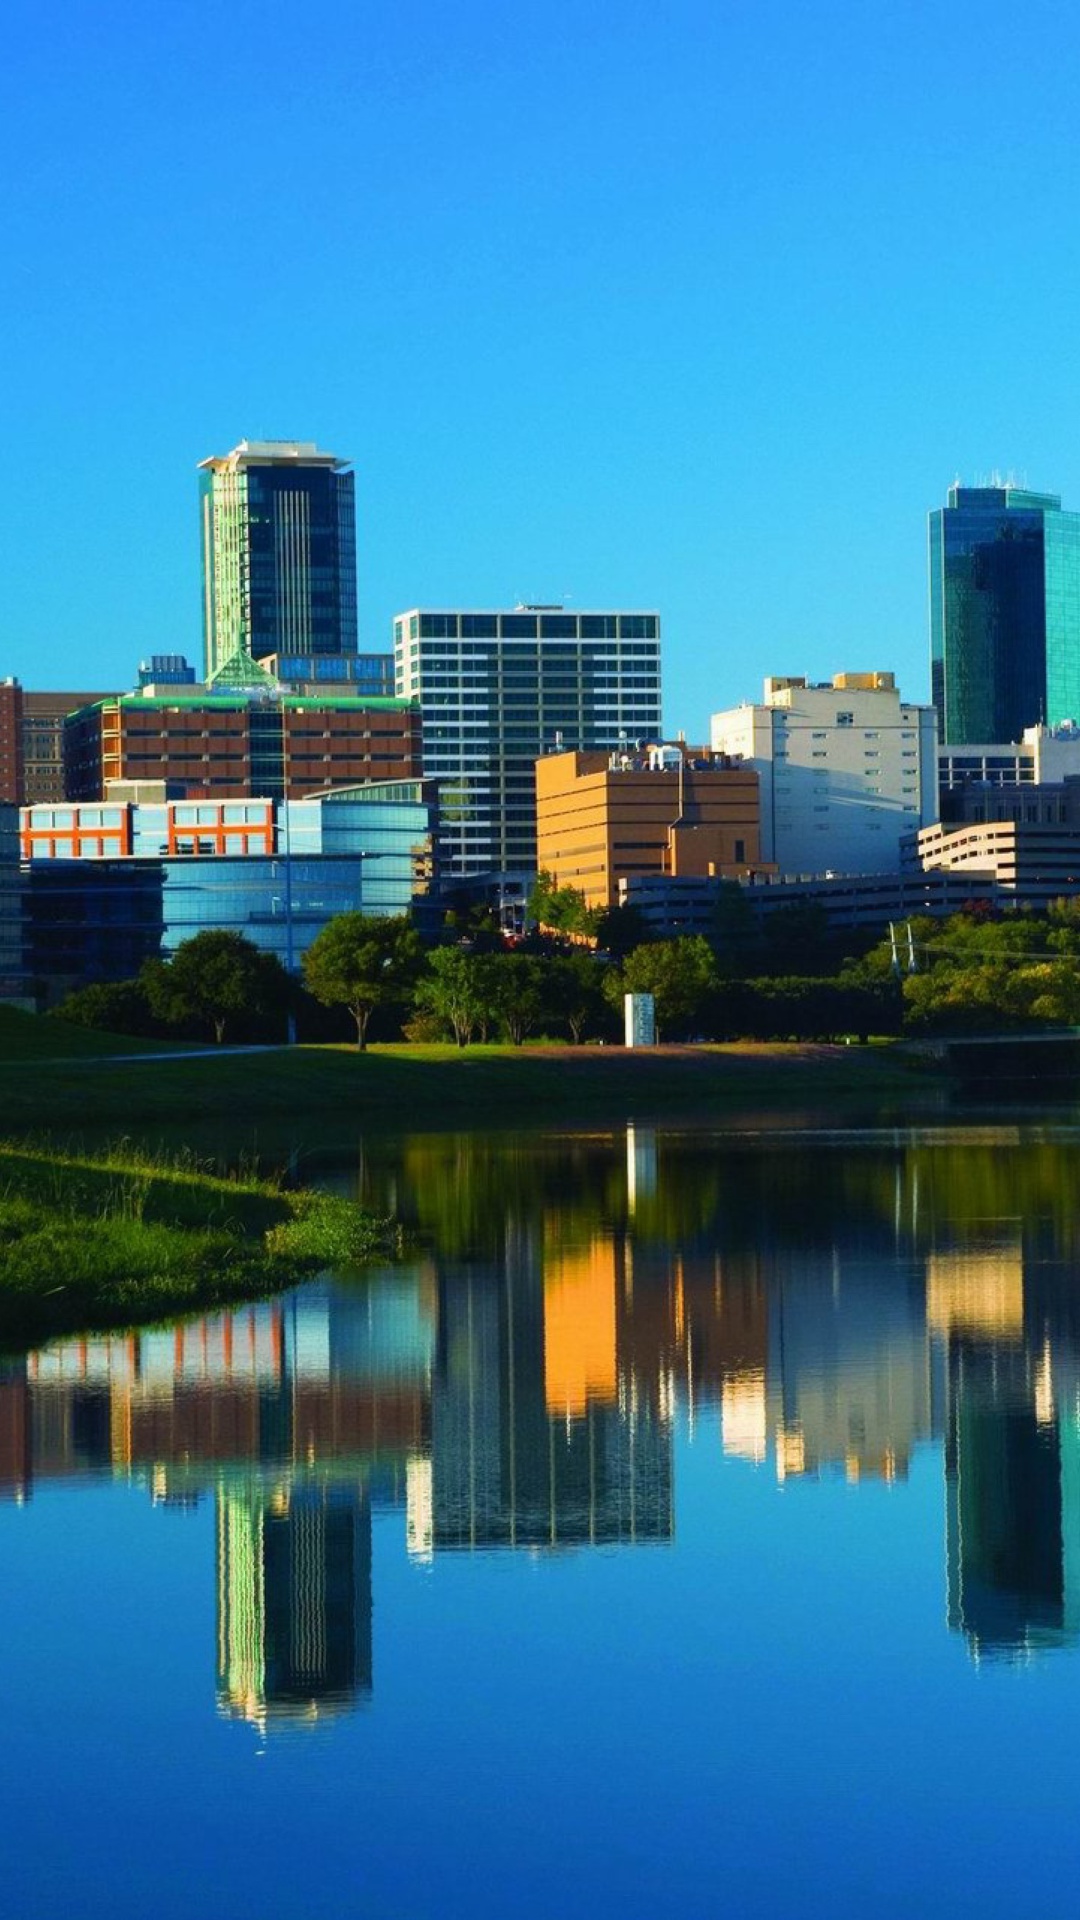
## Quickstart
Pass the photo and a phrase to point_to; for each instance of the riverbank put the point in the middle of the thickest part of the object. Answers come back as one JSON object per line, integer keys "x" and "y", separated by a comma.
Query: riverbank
{"x": 428, "y": 1087}
{"x": 89, "y": 1243}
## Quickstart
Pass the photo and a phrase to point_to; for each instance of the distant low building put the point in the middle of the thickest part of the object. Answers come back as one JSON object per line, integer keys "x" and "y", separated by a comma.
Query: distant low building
{"x": 1025, "y": 862}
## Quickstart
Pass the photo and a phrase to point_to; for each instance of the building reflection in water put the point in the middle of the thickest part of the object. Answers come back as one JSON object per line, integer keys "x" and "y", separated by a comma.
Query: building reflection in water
{"x": 536, "y": 1442}
{"x": 1012, "y": 1458}
{"x": 293, "y": 1600}
{"x": 831, "y": 1314}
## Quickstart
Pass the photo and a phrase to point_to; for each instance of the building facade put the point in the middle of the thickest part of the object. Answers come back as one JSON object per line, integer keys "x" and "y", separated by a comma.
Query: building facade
{"x": 1004, "y": 613}
{"x": 240, "y": 744}
{"x": 32, "y": 742}
{"x": 108, "y": 886}
{"x": 1025, "y": 862}
{"x": 969, "y": 775}
{"x": 278, "y": 520}
{"x": 847, "y": 768}
{"x": 498, "y": 690}
{"x": 667, "y": 810}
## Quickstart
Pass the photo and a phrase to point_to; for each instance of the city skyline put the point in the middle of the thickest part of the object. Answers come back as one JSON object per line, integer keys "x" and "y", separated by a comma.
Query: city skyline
{"x": 726, "y": 375}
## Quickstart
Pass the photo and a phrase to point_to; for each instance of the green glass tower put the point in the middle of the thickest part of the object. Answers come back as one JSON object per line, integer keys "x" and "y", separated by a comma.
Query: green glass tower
{"x": 278, "y": 555}
{"x": 1004, "y": 613}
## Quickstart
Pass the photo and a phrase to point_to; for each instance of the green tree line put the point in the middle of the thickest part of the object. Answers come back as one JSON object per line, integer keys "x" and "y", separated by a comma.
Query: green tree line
{"x": 973, "y": 973}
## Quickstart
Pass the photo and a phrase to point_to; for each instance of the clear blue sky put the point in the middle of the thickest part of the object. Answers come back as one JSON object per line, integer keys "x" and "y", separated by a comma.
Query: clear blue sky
{"x": 699, "y": 307}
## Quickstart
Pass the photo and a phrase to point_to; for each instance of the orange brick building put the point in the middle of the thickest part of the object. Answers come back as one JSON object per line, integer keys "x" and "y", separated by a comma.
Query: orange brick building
{"x": 206, "y": 746}
{"x": 668, "y": 809}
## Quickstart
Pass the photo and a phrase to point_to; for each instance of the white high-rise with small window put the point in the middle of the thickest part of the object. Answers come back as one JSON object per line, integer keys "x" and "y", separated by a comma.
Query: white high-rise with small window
{"x": 846, "y": 769}
{"x": 499, "y": 690}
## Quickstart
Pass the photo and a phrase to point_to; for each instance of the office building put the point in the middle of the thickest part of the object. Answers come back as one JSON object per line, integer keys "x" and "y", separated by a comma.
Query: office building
{"x": 12, "y": 908}
{"x": 847, "y": 768}
{"x": 108, "y": 886}
{"x": 166, "y": 670}
{"x": 671, "y": 904}
{"x": 1004, "y": 613}
{"x": 1021, "y": 862}
{"x": 32, "y": 742}
{"x": 278, "y": 553}
{"x": 498, "y": 690}
{"x": 601, "y": 817}
{"x": 976, "y": 773}
{"x": 333, "y": 674}
{"x": 239, "y": 743}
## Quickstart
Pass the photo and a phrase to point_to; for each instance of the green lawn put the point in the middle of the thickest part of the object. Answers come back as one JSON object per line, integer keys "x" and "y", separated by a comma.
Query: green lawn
{"x": 118, "y": 1238}
{"x": 422, "y": 1087}
{"x": 32, "y": 1036}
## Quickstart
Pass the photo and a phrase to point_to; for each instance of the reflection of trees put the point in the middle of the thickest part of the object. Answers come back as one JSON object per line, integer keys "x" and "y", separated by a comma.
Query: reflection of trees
{"x": 460, "y": 1191}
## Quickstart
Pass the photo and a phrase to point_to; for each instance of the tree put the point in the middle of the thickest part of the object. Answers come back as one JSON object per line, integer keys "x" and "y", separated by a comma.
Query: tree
{"x": 559, "y": 909}
{"x": 115, "y": 1006}
{"x": 213, "y": 978}
{"x": 453, "y": 989}
{"x": 678, "y": 973}
{"x": 517, "y": 981}
{"x": 620, "y": 929}
{"x": 574, "y": 991}
{"x": 363, "y": 961}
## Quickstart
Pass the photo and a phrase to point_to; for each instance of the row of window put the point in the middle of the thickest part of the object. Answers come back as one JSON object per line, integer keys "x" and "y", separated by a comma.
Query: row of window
{"x": 529, "y": 626}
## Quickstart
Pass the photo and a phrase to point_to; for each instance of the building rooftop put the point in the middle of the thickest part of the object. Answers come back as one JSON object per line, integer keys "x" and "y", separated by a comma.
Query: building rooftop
{"x": 273, "y": 453}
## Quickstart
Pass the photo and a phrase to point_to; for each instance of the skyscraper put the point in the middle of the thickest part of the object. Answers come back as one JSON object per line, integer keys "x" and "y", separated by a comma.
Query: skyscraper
{"x": 497, "y": 690}
{"x": 1004, "y": 613}
{"x": 278, "y": 553}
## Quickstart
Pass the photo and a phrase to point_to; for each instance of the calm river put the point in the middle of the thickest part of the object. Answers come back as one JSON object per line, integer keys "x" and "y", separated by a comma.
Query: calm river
{"x": 689, "y": 1526}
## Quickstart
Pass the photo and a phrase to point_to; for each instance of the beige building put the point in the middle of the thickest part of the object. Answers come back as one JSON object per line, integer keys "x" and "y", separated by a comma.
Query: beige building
{"x": 676, "y": 810}
{"x": 847, "y": 769}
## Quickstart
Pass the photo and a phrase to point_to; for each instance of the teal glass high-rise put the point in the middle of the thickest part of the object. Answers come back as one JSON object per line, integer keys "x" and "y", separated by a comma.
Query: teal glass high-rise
{"x": 1004, "y": 613}
{"x": 278, "y": 554}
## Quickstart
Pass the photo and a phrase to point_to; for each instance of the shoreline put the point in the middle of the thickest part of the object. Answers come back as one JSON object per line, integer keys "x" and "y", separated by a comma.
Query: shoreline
{"x": 389, "y": 1087}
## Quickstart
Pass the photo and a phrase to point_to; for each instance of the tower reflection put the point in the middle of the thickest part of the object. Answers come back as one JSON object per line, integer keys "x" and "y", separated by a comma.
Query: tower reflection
{"x": 806, "y": 1313}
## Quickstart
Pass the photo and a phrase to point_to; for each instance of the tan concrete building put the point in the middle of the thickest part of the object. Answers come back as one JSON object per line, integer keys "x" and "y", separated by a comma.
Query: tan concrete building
{"x": 666, "y": 810}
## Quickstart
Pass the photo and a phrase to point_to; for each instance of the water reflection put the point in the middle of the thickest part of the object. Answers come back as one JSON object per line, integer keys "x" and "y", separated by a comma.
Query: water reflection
{"x": 520, "y": 1383}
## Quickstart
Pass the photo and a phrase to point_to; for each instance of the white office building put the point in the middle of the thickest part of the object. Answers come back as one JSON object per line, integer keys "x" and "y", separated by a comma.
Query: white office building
{"x": 846, "y": 769}
{"x": 1045, "y": 757}
{"x": 498, "y": 690}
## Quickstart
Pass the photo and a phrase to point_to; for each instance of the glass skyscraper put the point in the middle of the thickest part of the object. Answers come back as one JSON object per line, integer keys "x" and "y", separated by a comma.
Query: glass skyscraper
{"x": 278, "y": 553}
{"x": 1004, "y": 613}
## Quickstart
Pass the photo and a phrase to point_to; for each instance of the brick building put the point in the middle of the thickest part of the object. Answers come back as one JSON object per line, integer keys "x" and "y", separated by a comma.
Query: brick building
{"x": 207, "y": 745}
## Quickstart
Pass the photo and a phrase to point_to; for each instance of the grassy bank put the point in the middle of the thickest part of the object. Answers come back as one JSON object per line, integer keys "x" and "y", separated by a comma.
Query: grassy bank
{"x": 397, "y": 1087}
{"x": 121, "y": 1238}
